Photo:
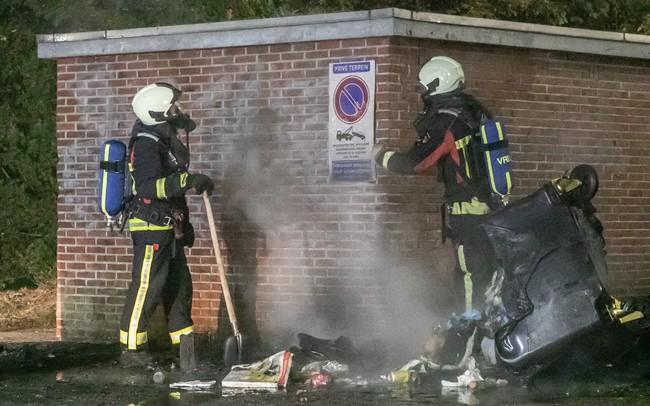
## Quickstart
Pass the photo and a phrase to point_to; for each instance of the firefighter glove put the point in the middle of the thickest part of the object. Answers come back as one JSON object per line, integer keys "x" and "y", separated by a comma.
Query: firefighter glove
{"x": 377, "y": 152}
{"x": 200, "y": 183}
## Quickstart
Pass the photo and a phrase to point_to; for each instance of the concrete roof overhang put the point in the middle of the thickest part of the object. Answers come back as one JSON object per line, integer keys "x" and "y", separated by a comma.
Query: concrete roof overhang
{"x": 358, "y": 24}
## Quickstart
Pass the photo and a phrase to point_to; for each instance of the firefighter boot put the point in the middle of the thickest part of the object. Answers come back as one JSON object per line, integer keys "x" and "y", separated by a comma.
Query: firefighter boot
{"x": 187, "y": 356}
{"x": 135, "y": 359}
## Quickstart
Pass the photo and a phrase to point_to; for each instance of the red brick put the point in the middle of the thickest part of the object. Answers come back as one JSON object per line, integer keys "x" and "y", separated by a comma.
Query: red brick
{"x": 560, "y": 110}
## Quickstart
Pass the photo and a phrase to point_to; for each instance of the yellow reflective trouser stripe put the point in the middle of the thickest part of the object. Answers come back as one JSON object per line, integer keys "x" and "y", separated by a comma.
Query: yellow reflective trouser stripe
{"x": 140, "y": 339}
{"x": 105, "y": 180}
{"x": 176, "y": 335}
{"x": 387, "y": 156}
{"x": 467, "y": 278}
{"x": 474, "y": 206}
{"x": 141, "y": 225}
{"x": 136, "y": 312}
{"x": 183, "y": 179}
{"x": 160, "y": 188}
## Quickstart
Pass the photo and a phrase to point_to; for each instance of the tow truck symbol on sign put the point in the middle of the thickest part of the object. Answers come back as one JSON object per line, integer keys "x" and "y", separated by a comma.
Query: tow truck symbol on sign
{"x": 348, "y": 134}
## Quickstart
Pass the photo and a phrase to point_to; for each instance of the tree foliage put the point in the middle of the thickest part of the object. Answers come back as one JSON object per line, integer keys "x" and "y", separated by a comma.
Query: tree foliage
{"x": 28, "y": 85}
{"x": 27, "y": 152}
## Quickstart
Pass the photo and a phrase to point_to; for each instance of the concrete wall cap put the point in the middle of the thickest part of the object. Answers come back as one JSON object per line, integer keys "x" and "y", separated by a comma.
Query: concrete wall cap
{"x": 344, "y": 25}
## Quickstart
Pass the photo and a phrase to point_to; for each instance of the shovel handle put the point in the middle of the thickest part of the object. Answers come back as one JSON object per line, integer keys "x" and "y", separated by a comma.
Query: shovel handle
{"x": 222, "y": 270}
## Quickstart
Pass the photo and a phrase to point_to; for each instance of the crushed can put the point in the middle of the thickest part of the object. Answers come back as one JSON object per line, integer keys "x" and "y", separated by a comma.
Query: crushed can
{"x": 403, "y": 376}
{"x": 320, "y": 380}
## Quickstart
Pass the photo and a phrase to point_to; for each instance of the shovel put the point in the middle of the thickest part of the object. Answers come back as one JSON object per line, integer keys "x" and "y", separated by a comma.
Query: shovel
{"x": 233, "y": 352}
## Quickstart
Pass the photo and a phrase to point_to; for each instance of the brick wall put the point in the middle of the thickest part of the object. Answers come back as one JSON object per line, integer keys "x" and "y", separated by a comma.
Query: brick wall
{"x": 324, "y": 258}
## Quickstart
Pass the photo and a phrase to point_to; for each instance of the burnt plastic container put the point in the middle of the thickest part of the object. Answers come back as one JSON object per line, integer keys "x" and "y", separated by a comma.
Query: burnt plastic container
{"x": 551, "y": 254}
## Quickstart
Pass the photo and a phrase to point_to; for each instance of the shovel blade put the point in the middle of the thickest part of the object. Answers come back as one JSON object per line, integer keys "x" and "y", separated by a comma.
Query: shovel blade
{"x": 233, "y": 351}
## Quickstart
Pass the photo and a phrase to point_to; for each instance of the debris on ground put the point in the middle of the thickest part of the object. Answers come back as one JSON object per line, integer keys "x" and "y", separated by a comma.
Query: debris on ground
{"x": 410, "y": 373}
{"x": 320, "y": 379}
{"x": 311, "y": 349}
{"x": 472, "y": 379}
{"x": 269, "y": 374}
{"x": 193, "y": 385}
{"x": 369, "y": 357}
{"x": 469, "y": 379}
{"x": 334, "y": 368}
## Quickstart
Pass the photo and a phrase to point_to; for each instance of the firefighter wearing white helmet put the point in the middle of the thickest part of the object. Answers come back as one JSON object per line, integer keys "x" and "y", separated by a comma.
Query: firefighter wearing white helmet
{"x": 159, "y": 223}
{"x": 441, "y": 75}
{"x": 444, "y": 132}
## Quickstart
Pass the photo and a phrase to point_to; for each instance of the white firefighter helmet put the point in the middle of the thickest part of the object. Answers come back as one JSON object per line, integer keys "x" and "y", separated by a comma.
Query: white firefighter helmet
{"x": 441, "y": 75}
{"x": 156, "y": 103}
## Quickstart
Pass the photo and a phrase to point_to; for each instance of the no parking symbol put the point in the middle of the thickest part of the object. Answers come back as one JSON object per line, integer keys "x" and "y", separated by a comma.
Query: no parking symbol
{"x": 351, "y": 99}
{"x": 351, "y": 121}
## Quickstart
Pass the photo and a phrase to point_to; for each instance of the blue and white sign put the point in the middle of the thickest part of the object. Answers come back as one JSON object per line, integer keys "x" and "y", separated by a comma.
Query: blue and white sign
{"x": 351, "y": 121}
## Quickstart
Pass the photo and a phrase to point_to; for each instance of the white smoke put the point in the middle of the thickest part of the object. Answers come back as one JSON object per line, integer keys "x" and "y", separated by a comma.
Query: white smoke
{"x": 372, "y": 295}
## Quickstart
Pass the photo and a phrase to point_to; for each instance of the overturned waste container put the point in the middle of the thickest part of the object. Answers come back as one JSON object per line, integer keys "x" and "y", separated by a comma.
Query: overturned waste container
{"x": 551, "y": 279}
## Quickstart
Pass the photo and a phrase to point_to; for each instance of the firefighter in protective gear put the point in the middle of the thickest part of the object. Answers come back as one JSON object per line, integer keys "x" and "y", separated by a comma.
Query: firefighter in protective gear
{"x": 158, "y": 220}
{"x": 444, "y": 131}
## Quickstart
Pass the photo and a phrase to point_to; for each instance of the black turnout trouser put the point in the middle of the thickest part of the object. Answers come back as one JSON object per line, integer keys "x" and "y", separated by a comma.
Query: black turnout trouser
{"x": 474, "y": 259}
{"x": 160, "y": 272}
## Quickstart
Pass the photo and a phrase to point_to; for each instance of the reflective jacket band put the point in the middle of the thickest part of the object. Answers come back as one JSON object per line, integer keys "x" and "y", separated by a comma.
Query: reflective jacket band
{"x": 474, "y": 207}
{"x": 150, "y": 136}
{"x": 160, "y": 188}
{"x": 137, "y": 224}
{"x": 386, "y": 158}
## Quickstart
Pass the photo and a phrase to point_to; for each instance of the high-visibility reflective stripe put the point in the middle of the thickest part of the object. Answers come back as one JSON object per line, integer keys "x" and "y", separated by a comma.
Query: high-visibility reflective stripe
{"x": 490, "y": 171}
{"x": 387, "y": 156}
{"x": 131, "y": 169}
{"x": 453, "y": 112}
{"x": 105, "y": 180}
{"x": 147, "y": 135}
{"x": 137, "y": 224}
{"x": 140, "y": 338}
{"x": 460, "y": 145}
{"x": 467, "y": 278}
{"x": 463, "y": 142}
{"x": 133, "y": 186}
{"x": 160, "y": 188}
{"x": 136, "y": 312}
{"x": 469, "y": 175}
{"x": 183, "y": 179}
{"x": 176, "y": 335}
{"x": 475, "y": 207}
